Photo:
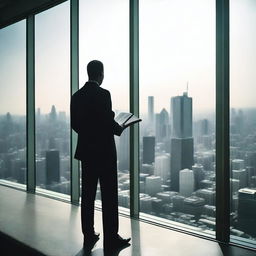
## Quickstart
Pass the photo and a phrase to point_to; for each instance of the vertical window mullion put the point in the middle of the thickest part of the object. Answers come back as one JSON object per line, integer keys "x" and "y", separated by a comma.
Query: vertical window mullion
{"x": 74, "y": 86}
{"x": 30, "y": 70}
{"x": 222, "y": 122}
{"x": 134, "y": 107}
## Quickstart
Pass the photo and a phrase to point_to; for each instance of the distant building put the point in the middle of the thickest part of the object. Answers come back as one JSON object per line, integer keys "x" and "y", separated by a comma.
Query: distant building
{"x": 237, "y": 164}
{"x": 204, "y": 127}
{"x": 178, "y": 203}
{"x": 153, "y": 185}
{"x": 187, "y": 182}
{"x": 40, "y": 171}
{"x": 151, "y": 110}
{"x": 198, "y": 174}
{"x": 162, "y": 166}
{"x": 148, "y": 150}
{"x": 52, "y": 166}
{"x": 123, "y": 151}
{"x": 194, "y": 205}
{"x": 241, "y": 175}
{"x": 182, "y": 144}
{"x": 182, "y": 152}
{"x": 208, "y": 195}
{"x": 162, "y": 126}
{"x": 181, "y": 113}
{"x": 246, "y": 211}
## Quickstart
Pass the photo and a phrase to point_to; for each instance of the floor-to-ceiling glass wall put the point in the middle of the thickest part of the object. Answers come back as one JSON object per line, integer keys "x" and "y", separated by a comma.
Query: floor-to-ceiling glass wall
{"x": 52, "y": 97}
{"x": 177, "y": 105}
{"x": 13, "y": 103}
{"x": 243, "y": 121}
{"x": 104, "y": 36}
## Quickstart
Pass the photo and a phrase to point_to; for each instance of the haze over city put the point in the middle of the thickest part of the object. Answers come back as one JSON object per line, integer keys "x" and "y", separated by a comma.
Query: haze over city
{"x": 175, "y": 49}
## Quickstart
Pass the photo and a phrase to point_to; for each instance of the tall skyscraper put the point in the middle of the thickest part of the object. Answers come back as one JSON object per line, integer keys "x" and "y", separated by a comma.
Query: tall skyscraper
{"x": 162, "y": 126}
{"x": 151, "y": 109}
{"x": 148, "y": 149}
{"x": 182, "y": 143}
{"x": 52, "y": 166}
{"x": 181, "y": 112}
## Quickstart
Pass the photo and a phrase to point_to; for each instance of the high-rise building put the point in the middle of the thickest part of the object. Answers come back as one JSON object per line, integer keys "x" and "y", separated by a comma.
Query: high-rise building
{"x": 162, "y": 166}
{"x": 181, "y": 113}
{"x": 246, "y": 211}
{"x": 151, "y": 110}
{"x": 148, "y": 149}
{"x": 198, "y": 174}
{"x": 52, "y": 166}
{"x": 182, "y": 144}
{"x": 162, "y": 126}
{"x": 181, "y": 158}
{"x": 187, "y": 182}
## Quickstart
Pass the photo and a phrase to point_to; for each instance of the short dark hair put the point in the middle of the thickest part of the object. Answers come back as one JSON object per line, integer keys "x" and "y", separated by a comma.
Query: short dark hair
{"x": 94, "y": 69}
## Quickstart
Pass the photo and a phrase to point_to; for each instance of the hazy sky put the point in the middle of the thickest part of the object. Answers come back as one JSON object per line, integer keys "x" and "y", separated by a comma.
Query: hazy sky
{"x": 177, "y": 44}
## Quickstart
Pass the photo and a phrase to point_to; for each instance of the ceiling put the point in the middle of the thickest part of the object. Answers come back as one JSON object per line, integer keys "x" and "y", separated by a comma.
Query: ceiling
{"x": 14, "y": 10}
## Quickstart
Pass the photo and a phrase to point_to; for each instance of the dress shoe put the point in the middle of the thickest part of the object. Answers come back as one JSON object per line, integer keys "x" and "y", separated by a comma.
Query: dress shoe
{"x": 90, "y": 240}
{"x": 116, "y": 242}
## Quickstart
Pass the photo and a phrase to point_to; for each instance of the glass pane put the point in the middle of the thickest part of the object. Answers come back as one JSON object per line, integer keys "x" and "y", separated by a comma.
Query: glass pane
{"x": 243, "y": 121}
{"x": 13, "y": 103}
{"x": 104, "y": 36}
{"x": 177, "y": 104}
{"x": 52, "y": 89}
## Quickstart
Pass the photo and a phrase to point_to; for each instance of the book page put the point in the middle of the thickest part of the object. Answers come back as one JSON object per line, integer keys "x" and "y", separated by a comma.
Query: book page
{"x": 122, "y": 117}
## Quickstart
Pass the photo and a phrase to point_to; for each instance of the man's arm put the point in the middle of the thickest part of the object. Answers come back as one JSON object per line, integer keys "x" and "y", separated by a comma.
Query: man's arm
{"x": 74, "y": 124}
{"x": 115, "y": 127}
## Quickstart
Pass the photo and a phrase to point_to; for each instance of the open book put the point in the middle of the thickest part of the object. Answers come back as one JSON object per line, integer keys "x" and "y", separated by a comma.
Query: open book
{"x": 127, "y": 119}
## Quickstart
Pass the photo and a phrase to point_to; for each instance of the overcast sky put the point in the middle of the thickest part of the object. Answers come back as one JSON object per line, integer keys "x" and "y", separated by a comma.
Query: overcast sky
{"x": 177, "y": 45}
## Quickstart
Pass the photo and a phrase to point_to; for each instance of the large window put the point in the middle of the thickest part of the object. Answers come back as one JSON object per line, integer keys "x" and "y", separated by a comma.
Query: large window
{"x": 52, "y": 91}
{"x": 104, "y": 36}
{"x": 243, "y": 120}
{"x": 177, "y": 61}
{"x": 13, "y": 103}
{"x": 177, "y": 104}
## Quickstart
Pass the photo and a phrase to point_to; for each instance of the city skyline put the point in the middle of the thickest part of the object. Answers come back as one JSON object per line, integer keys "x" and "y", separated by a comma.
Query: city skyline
{"x": 183, "y": 57}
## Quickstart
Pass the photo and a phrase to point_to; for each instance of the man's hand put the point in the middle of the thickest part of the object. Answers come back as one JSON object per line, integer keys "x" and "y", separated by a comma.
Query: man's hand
{"x": 123, "y": 126}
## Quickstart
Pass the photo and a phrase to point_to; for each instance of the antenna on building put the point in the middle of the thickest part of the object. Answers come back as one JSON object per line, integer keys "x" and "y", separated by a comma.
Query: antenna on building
{"x": 186, "y": 92}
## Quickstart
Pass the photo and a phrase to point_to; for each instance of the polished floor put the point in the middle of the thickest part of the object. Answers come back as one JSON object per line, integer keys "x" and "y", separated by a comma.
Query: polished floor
{"x": 36, "y": 225}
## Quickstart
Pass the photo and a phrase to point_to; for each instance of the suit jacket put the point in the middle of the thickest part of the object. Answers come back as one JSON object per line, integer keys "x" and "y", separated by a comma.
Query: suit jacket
{"x": 93, "y": 120}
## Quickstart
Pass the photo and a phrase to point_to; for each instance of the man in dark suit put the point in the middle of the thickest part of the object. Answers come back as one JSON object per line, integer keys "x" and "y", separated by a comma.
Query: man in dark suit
{"x": 93, "y": 120}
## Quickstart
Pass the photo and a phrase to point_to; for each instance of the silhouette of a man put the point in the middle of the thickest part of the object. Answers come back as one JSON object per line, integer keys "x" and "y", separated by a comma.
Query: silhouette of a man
{"x": 92, "y": 119}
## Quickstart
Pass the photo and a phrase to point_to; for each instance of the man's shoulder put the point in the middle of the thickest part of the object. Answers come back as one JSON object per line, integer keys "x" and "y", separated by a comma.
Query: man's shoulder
{"x": 95, "y": 90}
{"x": 77, "y": 93}
{"x": 104, "y": 91}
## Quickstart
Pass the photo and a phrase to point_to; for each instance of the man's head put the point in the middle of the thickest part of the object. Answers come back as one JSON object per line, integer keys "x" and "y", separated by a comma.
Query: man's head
{"x": 95, "y": 71}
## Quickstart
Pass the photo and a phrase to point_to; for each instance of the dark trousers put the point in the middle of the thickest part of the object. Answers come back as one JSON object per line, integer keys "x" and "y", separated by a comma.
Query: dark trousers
{"x": 107, "y": 176}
